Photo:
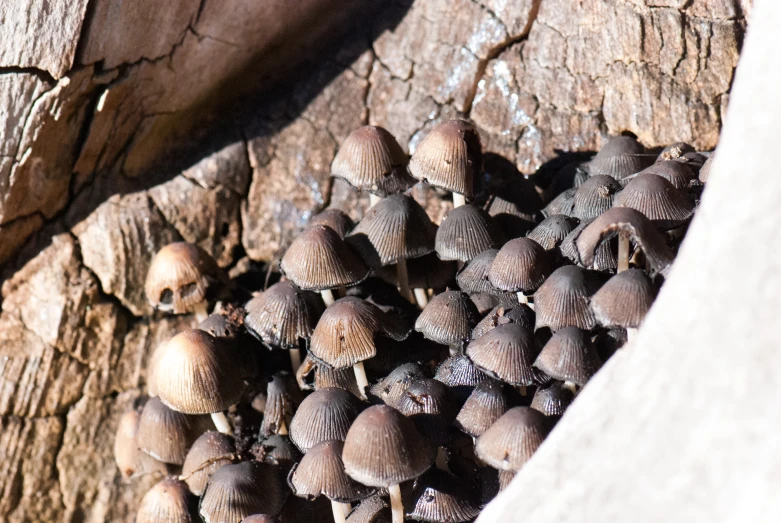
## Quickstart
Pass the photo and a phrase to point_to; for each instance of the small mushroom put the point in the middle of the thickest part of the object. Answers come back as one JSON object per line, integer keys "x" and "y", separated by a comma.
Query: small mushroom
{"x": 501, "y": 314}
{"x": 594, "y": 197}
{"x": 279, "y": 451}
{"x": 552, "y": 399}
{"x": 210, "y": 451}
{"x": 520, "y": 266}
{"x": 441, "y": 497}
{"x": 655, "y": 197}
{"x": 448, "y": 319}
{"x": 677, "y": 173}
{"x": 282, "y": 398}
{"x": 432, "y": 407}
{"x": 624, "y": 300}
{"x": 483, "y": 407}
{"x": 473, "y": 277}
{"x": 673, "y": 151}
{"x": 324, "y": 415}
{"x": 458, "y": 373}
{"x": 551, "y": 231}
{"x": 511, "y": 441}
{"x": 164, "y": 433}
{"x": 620, "y": 157}
{"x": 395, "y": 385}
{"x": 563, "y": 204}
{"x": 507, "y": 353}
{"x": 169, "y": 501}
{"x": 569, "y": 356}
{"x": 464, "y": 233}
{"x": 563, "y": 300}
{"x": 237, "y": 491}
{"x": 125, "y": 443}
{"x": 335, "y": 219}
{"x": 604, "y": 257}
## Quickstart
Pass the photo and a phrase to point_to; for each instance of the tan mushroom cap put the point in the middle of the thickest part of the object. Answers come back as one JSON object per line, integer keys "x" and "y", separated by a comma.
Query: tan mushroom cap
{"x": 163, "y": 433}
{"x": 569, "y": 356}
{"x": 624, "y": 300}
{"x": 395, "y": 385}
{"x": 125, "y": 444}
{"x": 321, "y": 472}
{"x": 465, "y": 232}
{"x": 507, "y": 353}
{"x": 208, "y": 453}
{"x": 657, "y": 198}
{"x": 605, "y": 256}
{"x": 237, "y": 491}
{"x": 324, "y": 415}
{"x": 563, "y": 203}
{"x": 521, "y": 265}
{"x": 282, "y": 315}
{"x": 513, "y": 439}
{"x": 282, "y": 398}
{"x": 502, "y": 314}
{"x": 167, "y": 502}
{"x": 458, "y": 373}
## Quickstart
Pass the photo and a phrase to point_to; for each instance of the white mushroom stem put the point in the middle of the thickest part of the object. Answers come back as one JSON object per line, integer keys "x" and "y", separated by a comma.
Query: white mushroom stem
{"x": 623, "y": 252}
{"x": 201, "y": 311}
{"x": 458, "y": 199}
{"x": 328, "y": 297}
{"x": 373, "y": 200}
{"x": 397, "y": 508}
{"x": 360, "y": 378}
{"x": 295, "y": 358}
{"x": 571, "y": 386}
{"x": 421, "y": 297}
{"x": 402, "y": 277}
{"x": 221, "y": 422}
{"x": 340, "y": 510}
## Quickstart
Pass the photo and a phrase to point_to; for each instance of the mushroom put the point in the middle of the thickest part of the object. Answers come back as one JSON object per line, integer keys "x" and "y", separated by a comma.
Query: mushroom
{"x": 441, "y": 497}
{"x": 373, "y": 509}
{"x": 164, "y": 433}
{"x": 511, "y": 441}
{"x": 464, "y": 233}
{"x": 620, "y": 157}
{"x": 282, "y": 397}
{"x": 395, "y": 385}
{"x": 655, "y": 197}
{"x": 624, "y": 301}
{"x": 552, "y": 399}
{"x": 321, "y": 472}
{"x": 473, "y": 276}
{"x": 551, "y": 231}
{"x": 563, "y": 300}
{"x": 450, "y": 157}
{"x": 210, "y": 451}
{"x": 520, "y": 266}
{"x": 326, "y": 377}
{"x": 677, "y": 173}
{"x": 182, "y": 278}
{"x": 279, "y": 451}
{"x": 604, "y": 257}
{"x": 460, "y": 375}
{"x": 335, "y": 219}
{"x": 507, "y": 353}
{"x": 125, "y": 444}
{"x": 448, "y": 319}
{"x": 324, "y": 415}
{"x": 371, "y": 160}
{"x": 237, "y": 491}
{"x": 168, "y": 501}
{"x": 594, "y": 197}
{"x": 383, "y": 449}
{"x": 500, "y": 315}
{"x": 673, "y": 151}
{"x": 483, "y": 407}
{"x": 319, "y": 260}
{"x": 569, "y": 356}
{"x": 563, "y": 204}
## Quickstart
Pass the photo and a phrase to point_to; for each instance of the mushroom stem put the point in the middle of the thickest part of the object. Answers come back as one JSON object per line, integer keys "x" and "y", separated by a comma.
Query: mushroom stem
{"x": 402, "y": 276}
{"x": 421, "y": 297}
{"x": 340, "y": 511}
{"x": 282, "y": 429}
{"x": 571, "y": 386}
{"x": 201, "y": 311}
{"x": 373, "y": 200}
{"x": 328, "y": 297}
{"x": 221, "y": 422}
{"x": 360, "y": 378}
{"x": 458, "y": 199}
{"x": 397, "y": 508}
{"x": 295, "y": 358}
{"x": 623, "y": 252}
{"x": 631, "y": 334}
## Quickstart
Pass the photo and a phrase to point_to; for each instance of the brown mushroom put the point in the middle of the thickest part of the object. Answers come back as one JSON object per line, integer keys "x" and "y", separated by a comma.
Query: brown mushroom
{"x": 464, "y": 233}
{"x": 511, "y": 441}
{"x": 324, "y": 415}
{"x": 520, "y": 266}
{"x": 169, "y": 501}
{"x": 448, "y": 319}
{"x": 210, "y": 451}
{"x": 240, "y": 490}
{"x": 569, "y": 356}
{"x": 624, "y": 300}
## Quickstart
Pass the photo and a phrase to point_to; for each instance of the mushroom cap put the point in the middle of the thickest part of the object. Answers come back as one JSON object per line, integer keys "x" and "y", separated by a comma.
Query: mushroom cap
{"x": 458, "y": 373}
{"x": 326, "y": 377}
{"x": 507, "y": 353}
{"x": 655, "y": 197}
{"x": 395, "y": 385}
{"x": 260, "y": 518}
{"x": 240, "y": 490}
{"x": 624, "y": 300}
{"x": 551, "y": 231}
{"x": 563, "y": 300}
{"x": 370, "y": 159}
{"x": 383, "y": 448}
{"x": 220, "y": 325}
{"x": 125, "y": 445}
{"x": 210, "y": 451}
{"x": 278, "y": 450}
{"x": 321, "y": 472}
{"x": 196, "y": 375}
{"x": 395, "y": 228}
{"x": 324, "y": 415}
{"x": 282, "y": 315}
{"x": 473, "y": 277}
{"x": 620, "y": 157}
{"x": 431, "y": 406}
{"x": 563, "y": 203}
{"x": 373, "y": 509}
{"x": 674, "y": 150}
{"x": 319, "y": 259}
{"x": 677, "y": 173}
{"x": 163, "y": 433}
{"x": 168, "y": 501}
{"x": 345, "y": 333}
{"x": 511, "y": 441}
{"x": 335, "y": 219}
{"x": 426, "y": 272}
{"x": 501, "y": 314}
{"x": 521, "y": 265}
{"x": 450, "y": 157}
{"x": 439, "y": 496}
{"x": 465, "y": 232}
{"x": 604, "y": 255}
{"x": 448, "y": 318}
{"x": 483, "y": 407}
{"x": 181, "y": 276}
{"x": 569, "y": 356}
{"x": 282, "y": 397}
{"x": 553, "y": 399}
{"x": 594, "y": 197}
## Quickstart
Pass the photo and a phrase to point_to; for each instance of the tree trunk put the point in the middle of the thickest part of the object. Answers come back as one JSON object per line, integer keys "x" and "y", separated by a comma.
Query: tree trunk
{"x": 127, "y": 125}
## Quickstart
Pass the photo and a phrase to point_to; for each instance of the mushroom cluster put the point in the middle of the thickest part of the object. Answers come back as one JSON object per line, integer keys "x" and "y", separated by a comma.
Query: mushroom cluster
{"x": 425, "y": 363}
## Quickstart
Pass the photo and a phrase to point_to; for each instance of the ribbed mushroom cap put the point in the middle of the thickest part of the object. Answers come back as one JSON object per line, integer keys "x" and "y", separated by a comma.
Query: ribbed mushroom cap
{"x": 395, "y": 228}
{"x": 620, "y": 157}
{"x": 448, "y": 318}
{"x": 125, "y": 445}
{"x": 167, "y": 502}
{"x": 473, "y": 277}
{"x": 345, "y": 333}
{"x": 677, "y": 173}
{"x": 569, "y": 356}
{"x": 458, "y": 373}
{"x": 383, "y": 448}
{"x": 370, "y": 159}
{"x": 655, "y": 197}
{"x": 604, "y": 255}
{"x": 500, "y": 315}
{"x": 507, "y": 353}
{"x": 321, "y": 472}
{"x": 640, "y": 230}
{"x": 563, "y": 300}
{"x": 319, "y": 259}
{"x": 520, "y": 266}
{"x": 551, "y": 231}
{"x": 450, "y": 157}
{"x": 335, "y": 219}
{"x": 282, "y": 315}
{"x": 374, "y": 509}
{"x": 553, "y": 399}
{"x": 483, "y": 407}
{"x": 392, "y": 387}
{"x": 624, "y": 300}
{"x": 282, "y": 398}
{"x": 260, "y": 518}
{"x": 594, "y": 197}
{"x": 511, "y": 441}
{"x": 706, "y": 167}
{"x": 196, "y": 375}
{"x": 426, "y": 272}
{"x": 465, "y": 232}
{"x": 278, "y": 450}
{"x": 210, "y": 451}
{"x": 431, "y": 406}
{"x": 181, "y": 276}
{"x": 237, "y": 491}
{"x": 563, "y": 203}
{"x": 326, "y": 377}
{"x": 324, "y": 415}
{"x": 439, "y": 496}
{"x": 163, "y": 433}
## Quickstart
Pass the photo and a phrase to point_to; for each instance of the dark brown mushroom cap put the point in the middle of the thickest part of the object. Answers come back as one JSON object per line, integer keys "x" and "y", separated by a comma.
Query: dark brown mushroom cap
{"x": 624, "y": 300}
{"x": 448, "y": 318}
{"x": 507, "y": 353}
{"x": 196, "y": 375}
{"x": 655, "y": 197}
{"x": 210, "y": 451}
{"x": 163, "y": 433}
{"x": 370, "y": 159}
{"x": 392, "y": 387}
{"x": 345, "y": 333}
{"x": 319, "y": 259}
{"x": 321, "y": 472}
{"x": 169, "y": 501}
{"x": 473, "y": 277}
{"x": 374, "y": 509}
{"x": 431, "y": 406}
{"x": 509, "y": 216}
{"x": 282, "y": 315}
{"x": 501, "y": 314}
{"x": 563, "y": 300}
{"x": 439, "y": 496}
{"x": 260, "y": 518}
{"x": 465, "y": 232}
{"x": 383, "y": 448}
{"x": 594, "y": 197}
{"x": 706, "y": 167}
{"x": 553, "y": 399}
{"x": 458, "y": 373}
{"x": 674, "y": 150}
{"x": 221, "y": 325}
{"x": 282, "y": 398}
{"x": 620, "y": 157}
{"x": 278, "y": 450}
{"x": 181, "y": 276}
{"x": 677, "y": 173}
{"x": 604, "y": 256}
{"x": 237, "y": 491}
{"x": 483, "y": 407}
{"x": 324, "y": 415}
{"x": 450, "y": 157}
{"x": 551, "y": 231}
{"x": 520, "y": 266}
{"x": 569, "y": 356}
{"x": 395, "y": 228}
{"x": 426, "y": 272}
{"x": 640, "y": 230}
{"x": 125, "y": 445}
{"x": 335, "y": 219}
{"x": 563, "y": 203}
{"x": 511, "y": 441}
